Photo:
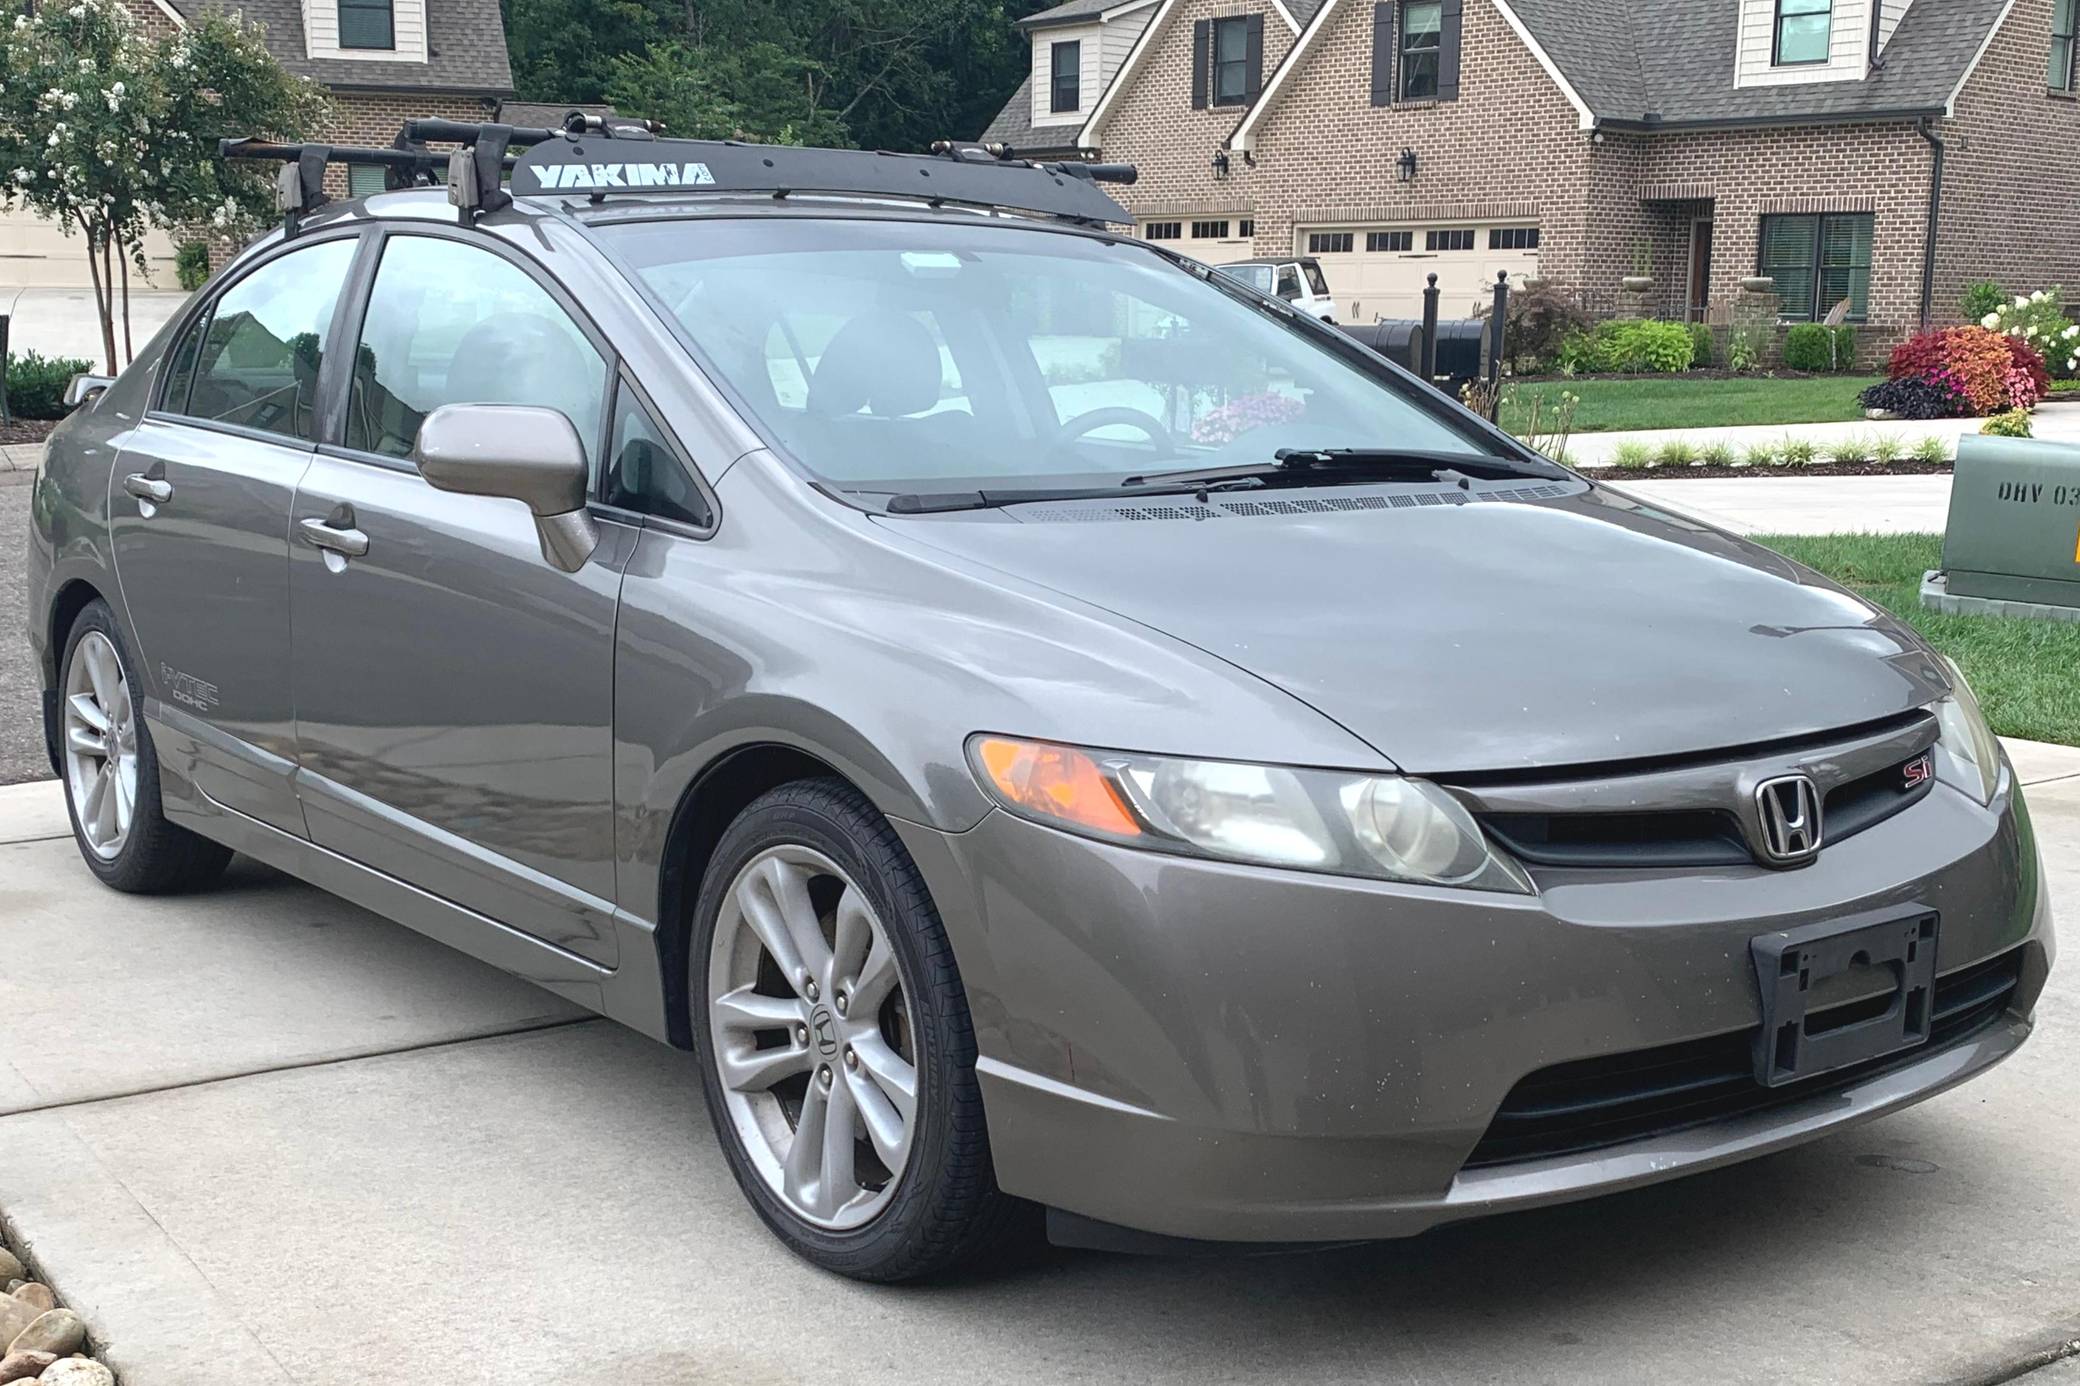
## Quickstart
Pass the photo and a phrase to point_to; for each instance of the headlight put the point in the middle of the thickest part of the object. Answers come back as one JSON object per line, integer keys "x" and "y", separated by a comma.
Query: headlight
{"x": 1383, "y": 826}
{"x": 1971, "y": 756}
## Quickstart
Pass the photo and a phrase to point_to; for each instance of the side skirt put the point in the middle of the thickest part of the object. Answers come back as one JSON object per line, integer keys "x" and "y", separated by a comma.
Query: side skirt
{"x": 632, "y": 994}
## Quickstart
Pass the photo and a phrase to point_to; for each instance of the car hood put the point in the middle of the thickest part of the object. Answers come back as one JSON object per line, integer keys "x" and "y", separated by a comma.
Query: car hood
{"x": 1492, "y": 636}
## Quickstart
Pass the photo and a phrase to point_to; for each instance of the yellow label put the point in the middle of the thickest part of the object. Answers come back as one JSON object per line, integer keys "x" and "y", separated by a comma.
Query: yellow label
{"x": 2076, "y": 546}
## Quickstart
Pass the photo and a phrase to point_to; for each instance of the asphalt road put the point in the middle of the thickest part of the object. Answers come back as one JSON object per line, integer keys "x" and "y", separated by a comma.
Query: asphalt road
{"x": 21, "y": 733}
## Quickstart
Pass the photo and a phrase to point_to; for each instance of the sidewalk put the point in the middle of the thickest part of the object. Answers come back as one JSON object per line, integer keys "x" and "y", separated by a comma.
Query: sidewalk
{"x": 2056, "y": 421}
{"x": 350, "y": 1155}
{"x": 1804, "y": 504}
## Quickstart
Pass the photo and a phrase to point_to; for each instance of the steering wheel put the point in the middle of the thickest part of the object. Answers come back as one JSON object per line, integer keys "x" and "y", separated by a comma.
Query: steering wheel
{"x": 1119, "y": 414}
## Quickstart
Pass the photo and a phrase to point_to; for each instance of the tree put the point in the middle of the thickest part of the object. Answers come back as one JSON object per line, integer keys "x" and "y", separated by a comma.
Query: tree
{"x": 111, "y": 134}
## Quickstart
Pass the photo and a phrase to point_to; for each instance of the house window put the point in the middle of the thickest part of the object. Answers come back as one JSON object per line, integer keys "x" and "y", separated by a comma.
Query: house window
{"x": 1448, "y": 240}
{"x": 1329, "y": 242}
{"x": 1804, "y": 28}
{"x": 363, "y": 180}
{"x": 2062, "y": 15}
{"x": 1817, "y": 262}
{"x": 1513, "y": 238}
{"x": 366, "y": 24}
{"x": 1245, "y": 229}
{"x": 1067, "y": 59}
{"x": 1209, "y": 230}
{"x": 1231, "y": 61}
{"x": 1393, "y": 241}
{"x": 1422, "y": 30}
{"x": 1162, "y": 231}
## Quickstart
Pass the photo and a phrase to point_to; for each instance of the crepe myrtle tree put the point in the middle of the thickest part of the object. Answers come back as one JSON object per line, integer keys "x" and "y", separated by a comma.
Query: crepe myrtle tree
{"x": 111, "y": 134}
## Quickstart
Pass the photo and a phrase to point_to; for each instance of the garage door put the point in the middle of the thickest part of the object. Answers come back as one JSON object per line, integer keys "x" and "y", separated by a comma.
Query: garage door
{"x": 1216, "y": 239}
{"x": 1380, "y": 271}
{"x": 35, "y": 254}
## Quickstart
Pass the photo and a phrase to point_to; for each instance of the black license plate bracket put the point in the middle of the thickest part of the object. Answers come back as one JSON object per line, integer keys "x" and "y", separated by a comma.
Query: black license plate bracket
{"x": 1800, "y": 1039}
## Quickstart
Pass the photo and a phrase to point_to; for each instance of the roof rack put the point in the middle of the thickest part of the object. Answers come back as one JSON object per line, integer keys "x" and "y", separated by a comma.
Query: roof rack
{"x": 602, "y": 157}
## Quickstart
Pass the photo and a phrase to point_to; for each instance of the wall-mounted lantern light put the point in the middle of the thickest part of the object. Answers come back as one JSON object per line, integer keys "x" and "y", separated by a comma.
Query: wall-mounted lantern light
{"x": 1405, "y": 166}
{"x": 1220, "y": 163}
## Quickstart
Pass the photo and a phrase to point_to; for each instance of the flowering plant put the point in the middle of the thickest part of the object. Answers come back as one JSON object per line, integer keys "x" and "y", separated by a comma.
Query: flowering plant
{"x": 2040, "y": 320}
{"x": 1983, "y": 371}
{"x": 1243, "y": 414}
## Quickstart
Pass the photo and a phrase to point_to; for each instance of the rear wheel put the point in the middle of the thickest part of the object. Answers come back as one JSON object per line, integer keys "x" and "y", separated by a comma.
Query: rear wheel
{"x": 836, "y": 1048}
{"x": 111, "y": 771}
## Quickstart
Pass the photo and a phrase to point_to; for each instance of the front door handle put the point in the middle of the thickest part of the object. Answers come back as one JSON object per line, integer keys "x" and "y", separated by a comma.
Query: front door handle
{"x": 334, "y": 536}
{"x": 148, "y": 488}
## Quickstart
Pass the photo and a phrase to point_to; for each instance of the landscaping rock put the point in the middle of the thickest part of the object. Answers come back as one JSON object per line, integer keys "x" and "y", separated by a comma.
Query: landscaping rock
{"x": 77, "y": 1371}
{"x": 37, "y": 1293}
{"x": 15, "y": 1316}
{"x": 23, "y": 1366}
{"x": 11, "y": 1266}
{"x": 57, "y": 1331}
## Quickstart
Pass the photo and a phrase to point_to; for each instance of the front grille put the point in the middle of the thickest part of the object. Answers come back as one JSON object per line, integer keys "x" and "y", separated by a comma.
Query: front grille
{"x": 1593, "y": 1103}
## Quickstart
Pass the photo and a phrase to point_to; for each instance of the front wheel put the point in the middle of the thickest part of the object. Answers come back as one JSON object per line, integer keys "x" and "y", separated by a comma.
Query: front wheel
{"x": 836, "y": 1049}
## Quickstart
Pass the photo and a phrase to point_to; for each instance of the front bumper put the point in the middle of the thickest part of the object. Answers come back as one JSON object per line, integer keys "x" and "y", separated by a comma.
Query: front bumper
{"x": 1226, "y": 1053}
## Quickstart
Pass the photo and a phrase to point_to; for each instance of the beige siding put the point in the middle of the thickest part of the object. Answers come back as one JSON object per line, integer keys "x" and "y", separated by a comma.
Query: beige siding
{"x": 1849, "y": 35}
{"x": 1090, "y": 64}
{"x": 1890, "y": 13}
{"x": 408, "y": 23}
{"x": 1118, "y": 40}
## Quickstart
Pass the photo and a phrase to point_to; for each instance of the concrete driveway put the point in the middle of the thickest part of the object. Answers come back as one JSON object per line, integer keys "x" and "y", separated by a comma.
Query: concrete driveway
{"x": 259, "y": 1136}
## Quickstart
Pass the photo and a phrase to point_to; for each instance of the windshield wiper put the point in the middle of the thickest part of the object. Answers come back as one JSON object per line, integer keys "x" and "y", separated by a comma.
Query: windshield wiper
{"x": 1305, "y": 465}
{"x": 934, "y": 502}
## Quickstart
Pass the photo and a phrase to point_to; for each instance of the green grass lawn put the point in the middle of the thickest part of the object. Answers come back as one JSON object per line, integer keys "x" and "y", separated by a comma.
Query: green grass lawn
{"x": 1676, "y": 401}
{"x": 2022, "y": 670}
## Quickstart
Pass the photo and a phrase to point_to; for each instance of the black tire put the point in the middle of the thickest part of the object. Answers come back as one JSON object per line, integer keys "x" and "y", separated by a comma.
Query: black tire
{"x": 946, "y": 1211}
{"x": 157, "y": 858}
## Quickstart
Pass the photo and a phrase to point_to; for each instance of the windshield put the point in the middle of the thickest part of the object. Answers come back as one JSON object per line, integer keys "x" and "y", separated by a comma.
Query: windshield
{"x": 898, "y": 356}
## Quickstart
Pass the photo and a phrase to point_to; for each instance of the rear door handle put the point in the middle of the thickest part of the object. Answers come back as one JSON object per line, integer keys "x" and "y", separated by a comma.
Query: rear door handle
{"x": 334, "y": 537}
{"x": 148, "y": 488}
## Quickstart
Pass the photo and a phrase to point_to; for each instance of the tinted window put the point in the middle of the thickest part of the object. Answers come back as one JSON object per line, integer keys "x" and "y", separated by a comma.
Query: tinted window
{"x": 261, "y": 353}
{"x": 180, "y": 369}
{"x": 644, "y": 472}
{"x": 448, "y": 323}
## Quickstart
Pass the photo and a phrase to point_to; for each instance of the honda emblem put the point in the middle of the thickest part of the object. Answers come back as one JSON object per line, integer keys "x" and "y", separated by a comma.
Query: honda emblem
{"x": 1789, "y": 810}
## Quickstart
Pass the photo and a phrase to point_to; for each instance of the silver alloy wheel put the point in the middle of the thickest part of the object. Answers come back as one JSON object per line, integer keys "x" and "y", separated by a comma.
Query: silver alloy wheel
{"x": 100, "y": 745}
{"x": 812, "y": 1039}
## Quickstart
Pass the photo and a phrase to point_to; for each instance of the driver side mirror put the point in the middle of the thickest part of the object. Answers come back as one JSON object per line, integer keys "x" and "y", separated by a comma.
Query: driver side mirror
{"x": 515, "y": 452}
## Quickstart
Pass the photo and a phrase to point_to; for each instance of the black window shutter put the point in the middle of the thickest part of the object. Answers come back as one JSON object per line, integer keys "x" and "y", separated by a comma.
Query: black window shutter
{"x": 1255, "y": 54}
{"x": 1448, "y": 51}
{"x": 1383, "y": 53}
{"x": 1202, "y": 41}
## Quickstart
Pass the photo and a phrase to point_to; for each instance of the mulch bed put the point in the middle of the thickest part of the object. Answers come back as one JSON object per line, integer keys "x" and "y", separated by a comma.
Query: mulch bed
{"x": 1809, "y": 469}
{"x": 26, "y": 430}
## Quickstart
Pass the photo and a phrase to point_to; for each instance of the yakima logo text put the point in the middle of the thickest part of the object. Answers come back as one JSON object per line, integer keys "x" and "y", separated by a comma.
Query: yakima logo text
{"x": 623, "y": 175}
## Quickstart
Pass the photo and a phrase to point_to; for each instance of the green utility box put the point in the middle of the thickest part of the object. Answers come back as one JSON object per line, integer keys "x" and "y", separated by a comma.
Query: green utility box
{"x": 2013, "y": 544}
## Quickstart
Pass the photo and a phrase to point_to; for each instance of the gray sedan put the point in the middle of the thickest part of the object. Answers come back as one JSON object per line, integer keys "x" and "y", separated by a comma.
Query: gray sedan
{"x": 1062, "y": 736}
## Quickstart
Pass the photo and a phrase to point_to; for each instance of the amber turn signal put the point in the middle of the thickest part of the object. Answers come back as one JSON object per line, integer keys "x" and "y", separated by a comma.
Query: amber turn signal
{"x": 1055, "y": 782}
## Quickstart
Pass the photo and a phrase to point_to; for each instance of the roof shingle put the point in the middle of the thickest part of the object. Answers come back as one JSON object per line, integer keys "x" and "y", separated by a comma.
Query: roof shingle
{"x": 465, "y": 48}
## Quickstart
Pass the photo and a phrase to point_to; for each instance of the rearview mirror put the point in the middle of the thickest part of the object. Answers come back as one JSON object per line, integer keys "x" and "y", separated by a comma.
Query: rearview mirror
{"x": 516, "y": 452}
{"x": 82, "y": 388}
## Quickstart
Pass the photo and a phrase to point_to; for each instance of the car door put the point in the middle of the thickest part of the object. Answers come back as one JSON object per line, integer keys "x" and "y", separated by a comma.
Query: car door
{"x": 200, "y": 523}
{"x": 453, "y": 690}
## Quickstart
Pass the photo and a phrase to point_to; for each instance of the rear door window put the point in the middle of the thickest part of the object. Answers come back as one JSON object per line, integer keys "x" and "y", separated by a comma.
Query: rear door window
{"x": 260, "y": 355}
{"x": 450, "y": 323}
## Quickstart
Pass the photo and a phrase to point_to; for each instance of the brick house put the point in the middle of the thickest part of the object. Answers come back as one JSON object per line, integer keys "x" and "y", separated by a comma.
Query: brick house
{"x": 1817, "y": 142}
{"x": 379, "y": 60}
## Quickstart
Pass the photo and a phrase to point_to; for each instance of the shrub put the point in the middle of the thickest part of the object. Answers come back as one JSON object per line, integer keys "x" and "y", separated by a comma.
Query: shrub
{"x": 1632, "y": 346}
{"x": 1797, "y": 452}
{"x": 1847, "y": 450}
{"x": 1759, "y": 455}
{"x": 1932, "y": 450}
{"x": 1845, "y": 347}
{"x": 1716, "y": 455}
{"x": 2039, "y": 319}
{"x": 1912, "y": 399}
{"x": 191, "y": 265}
{"x": 1543, "y": 316}
{"x": 1887, "y": 450}
{"x": 36, "y": 384}
{"x": 1675, "y": 453}
{"x": 1985, "y": 371}
{"x": 1807, "y": 348}
{"x": 1632, "y": 456}
{"x": 1743, "y": 350}
{"x": 1982, "y": 297}
{"x": 2011, "y": 423}
{"x": 1700, "y": 346}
